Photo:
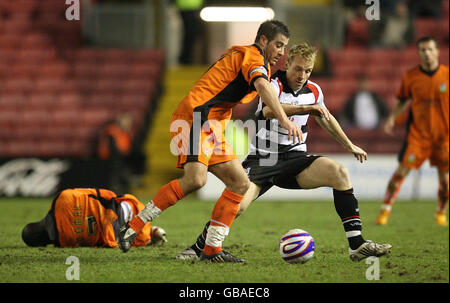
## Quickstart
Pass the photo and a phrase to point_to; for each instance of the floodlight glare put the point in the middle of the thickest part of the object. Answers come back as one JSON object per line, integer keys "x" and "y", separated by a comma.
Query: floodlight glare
{"x": 236, "y": 14}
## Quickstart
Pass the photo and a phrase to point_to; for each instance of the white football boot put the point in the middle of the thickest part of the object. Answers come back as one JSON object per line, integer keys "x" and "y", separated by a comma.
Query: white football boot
{"x": 369, "y": 249}
{"x": 159, "y": 236}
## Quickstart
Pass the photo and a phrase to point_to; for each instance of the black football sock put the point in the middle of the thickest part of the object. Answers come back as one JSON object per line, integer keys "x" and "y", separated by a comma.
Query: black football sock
{"x": 347, "y": 208}
{"x": 200, "y": 243}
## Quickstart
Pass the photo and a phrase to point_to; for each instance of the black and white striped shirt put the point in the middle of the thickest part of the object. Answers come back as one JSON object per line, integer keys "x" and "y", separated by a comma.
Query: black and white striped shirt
{"x": 270, "y": 136}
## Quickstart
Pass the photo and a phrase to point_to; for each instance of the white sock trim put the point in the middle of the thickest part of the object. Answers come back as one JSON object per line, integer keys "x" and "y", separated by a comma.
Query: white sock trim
{"x": 353, "y": 233}
{"x": 387, "y": 207}
{"x": 216, "y": 235}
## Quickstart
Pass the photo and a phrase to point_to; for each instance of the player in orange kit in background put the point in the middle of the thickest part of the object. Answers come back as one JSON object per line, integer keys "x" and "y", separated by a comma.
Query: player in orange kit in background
{"x": 425, "y": 88}
{"x": 237, "y": 77}
{"x": 88, "y": 217}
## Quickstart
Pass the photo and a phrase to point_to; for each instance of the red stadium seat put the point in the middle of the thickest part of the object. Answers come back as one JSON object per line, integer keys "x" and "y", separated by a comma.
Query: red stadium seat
{"x": 102, "y": 100}
{"x": 17, "y": 26}
{"x": 12, "y": 102}
{"x": 49, "y": 86}
{"x": 137, "y": 86}
{"x": 349, "y": 55}
{"x": 21, "y": 148}
{"x": 69, "y": 101}
{"x": 24, "y": 70}
{"x": 88, "y": 56}
{"x": 35, "y": 118}
{"x": 9, "y": 41}
{"x": 18, "y": 86}
{"x": 44, "y": 101}
{"x": 54, "y": 70}
{"x": 114, "y": 71}
{"x": 95, "y": 117}
{"x": 65, "y": 118}
{"x": 148, "y": 56}
{"x": 11, "y": 118}
{"x": 383, "y": 56}
{"x": 109, "y": 85}
{"x": 357, "y": 32}
{"x": 85, "y": 70}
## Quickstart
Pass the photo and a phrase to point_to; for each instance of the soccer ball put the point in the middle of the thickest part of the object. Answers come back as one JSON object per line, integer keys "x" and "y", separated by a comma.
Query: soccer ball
{"x": 297, "y": 246}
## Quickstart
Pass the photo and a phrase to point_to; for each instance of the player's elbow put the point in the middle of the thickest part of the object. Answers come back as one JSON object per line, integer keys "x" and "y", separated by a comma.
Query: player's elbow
{"x": 267, "y": 113}
{"x": 260, "y": 84}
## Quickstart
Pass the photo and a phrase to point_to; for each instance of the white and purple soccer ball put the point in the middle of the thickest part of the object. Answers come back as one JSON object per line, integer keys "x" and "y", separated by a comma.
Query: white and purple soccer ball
{"x": 297, "y": 246}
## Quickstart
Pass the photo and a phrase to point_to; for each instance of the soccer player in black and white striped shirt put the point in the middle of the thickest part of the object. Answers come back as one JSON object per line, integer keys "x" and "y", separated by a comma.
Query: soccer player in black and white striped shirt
{"x": 275, "y": 160}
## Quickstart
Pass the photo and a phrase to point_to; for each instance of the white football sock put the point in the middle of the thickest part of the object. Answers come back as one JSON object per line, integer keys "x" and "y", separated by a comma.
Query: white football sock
{"x": 216, "y": 235}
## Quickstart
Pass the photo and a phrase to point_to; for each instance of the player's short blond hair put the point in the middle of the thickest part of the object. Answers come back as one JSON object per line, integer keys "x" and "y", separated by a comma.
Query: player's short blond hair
{"x": 306, "y": 51}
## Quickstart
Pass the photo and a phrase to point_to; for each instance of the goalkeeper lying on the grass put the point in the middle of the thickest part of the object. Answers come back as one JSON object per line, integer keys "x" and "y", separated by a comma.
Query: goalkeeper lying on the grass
{"x": 89, "y": 217}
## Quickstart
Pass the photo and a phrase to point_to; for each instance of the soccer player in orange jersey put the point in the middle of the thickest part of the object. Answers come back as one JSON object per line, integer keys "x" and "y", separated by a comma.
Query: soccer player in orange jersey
{"x": 425, "y": 89}
{"x": 89, "y": 217}
{"x": 237, "y": 77}
{"x": 295, "y": 168}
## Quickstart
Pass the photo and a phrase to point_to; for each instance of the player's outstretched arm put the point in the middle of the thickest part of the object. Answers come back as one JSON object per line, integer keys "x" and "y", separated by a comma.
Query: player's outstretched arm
{"x": 334, "y": 129}
{"x": 269, "y": 97}
{"x": 290, "y": 110}
{"x": 398, "y": 109}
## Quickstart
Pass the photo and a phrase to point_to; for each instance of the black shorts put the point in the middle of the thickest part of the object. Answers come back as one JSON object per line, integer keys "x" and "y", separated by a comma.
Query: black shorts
{"x": 283, "y": 174}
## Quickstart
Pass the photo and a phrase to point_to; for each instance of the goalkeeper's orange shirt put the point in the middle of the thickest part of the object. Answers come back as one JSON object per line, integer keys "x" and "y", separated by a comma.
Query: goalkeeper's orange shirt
{"x": 82, "y": 220}
{"x": 428, "y": 123}
{"x": 226, "y": 83}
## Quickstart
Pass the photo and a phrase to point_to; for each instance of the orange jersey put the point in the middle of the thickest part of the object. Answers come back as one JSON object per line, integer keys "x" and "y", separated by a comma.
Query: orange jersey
{"x": 226, "y": 83}
{"x": 82, "y": 220}
{"x": 429, "y": 107}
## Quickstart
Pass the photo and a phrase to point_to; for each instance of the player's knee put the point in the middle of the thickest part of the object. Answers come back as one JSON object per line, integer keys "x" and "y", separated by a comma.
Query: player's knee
{"x": 342, "y": 176}
{"x": 241, "y": 187}
{"x": 194, "y": 183}
{"x": 342, "y": 171}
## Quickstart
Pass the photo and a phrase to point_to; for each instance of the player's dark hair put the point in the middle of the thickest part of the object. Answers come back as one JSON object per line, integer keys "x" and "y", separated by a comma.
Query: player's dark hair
{"x": 270, "y": 29}
{"x": 427, "y": 39}
{"x": 35, "y": 234}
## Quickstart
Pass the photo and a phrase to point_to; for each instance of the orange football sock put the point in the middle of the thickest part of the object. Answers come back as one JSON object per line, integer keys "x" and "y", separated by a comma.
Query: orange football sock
{"x": 443, "y": 197}
{"x": 136, "y": 224}
{"x": 168, "y": 195}
{"x": 393, "y": 189}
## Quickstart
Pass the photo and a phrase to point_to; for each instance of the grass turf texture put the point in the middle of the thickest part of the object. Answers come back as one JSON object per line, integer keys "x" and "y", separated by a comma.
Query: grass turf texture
{"x": 420, "y": 248}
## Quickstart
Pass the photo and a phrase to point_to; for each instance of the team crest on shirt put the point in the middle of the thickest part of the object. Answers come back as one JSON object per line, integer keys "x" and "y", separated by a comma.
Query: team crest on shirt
{"x": 411, "y": 158}
{"x": 443, "y": 88}
{"x": 207, "y": 153}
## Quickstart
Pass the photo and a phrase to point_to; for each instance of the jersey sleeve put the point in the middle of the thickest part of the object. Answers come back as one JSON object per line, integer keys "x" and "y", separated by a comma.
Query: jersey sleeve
{"x": 318, "y": 93}
{"x": 320, "y": 98}
{"x": 277, "y": 86}
{"x": 253, "y": 67}
{"x": 404, "y": 91}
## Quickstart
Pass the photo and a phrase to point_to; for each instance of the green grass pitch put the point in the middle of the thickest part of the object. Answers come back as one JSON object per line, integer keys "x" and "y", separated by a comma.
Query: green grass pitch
{"x": 420, "y": 252}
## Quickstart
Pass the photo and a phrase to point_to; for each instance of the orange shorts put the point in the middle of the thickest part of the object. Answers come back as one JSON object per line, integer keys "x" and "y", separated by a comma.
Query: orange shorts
{"x": 413, "y": 154}
{"x": 200, "y": 143}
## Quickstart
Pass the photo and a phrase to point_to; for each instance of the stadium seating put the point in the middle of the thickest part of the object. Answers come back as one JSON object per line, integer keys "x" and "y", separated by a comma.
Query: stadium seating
{"x": 57, "y": 93}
